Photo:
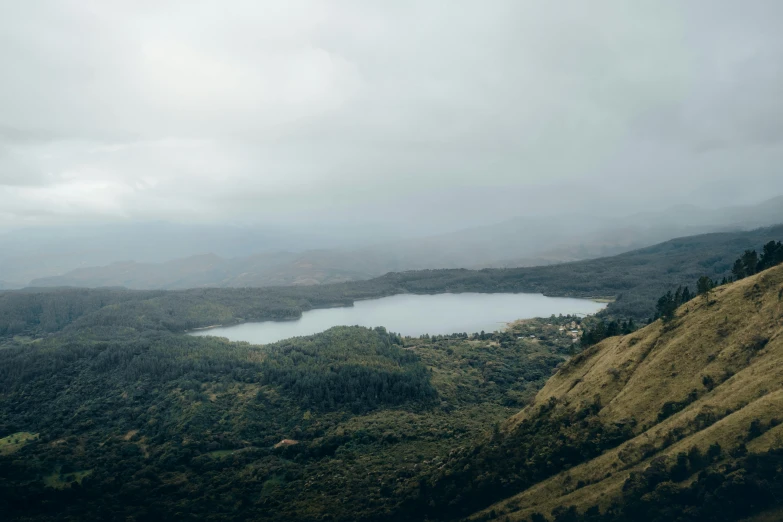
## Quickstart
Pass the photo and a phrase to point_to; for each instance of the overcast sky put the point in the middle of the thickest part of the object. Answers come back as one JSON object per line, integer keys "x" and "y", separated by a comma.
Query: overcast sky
{"x": 440, "y": 112}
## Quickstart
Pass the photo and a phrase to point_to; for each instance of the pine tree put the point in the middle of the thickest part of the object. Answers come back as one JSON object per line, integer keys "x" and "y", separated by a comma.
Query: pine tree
{"x": 738, "y": 270}
{"x": 771, "y": 255}
{"x": 750, "y": 262}
{"x": 666, "y": 307}
{"x": 704, "y": 285}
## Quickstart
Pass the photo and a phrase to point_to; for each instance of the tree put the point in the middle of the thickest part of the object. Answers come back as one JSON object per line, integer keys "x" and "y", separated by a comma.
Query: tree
{"x": 750, "y": 262}
{"x": 613, "y": 329}
{"x": 771, "y": 255}
{"x": 628, "y": 326}
{"x": 704, "y": 285}
{"x": 738, "y": 270}
{"x": 714, "y": 452}
{"x": 666, "y": 307}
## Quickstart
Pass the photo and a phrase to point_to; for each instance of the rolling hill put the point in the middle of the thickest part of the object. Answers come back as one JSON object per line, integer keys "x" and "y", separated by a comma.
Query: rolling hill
{"x": 635, "y": 426}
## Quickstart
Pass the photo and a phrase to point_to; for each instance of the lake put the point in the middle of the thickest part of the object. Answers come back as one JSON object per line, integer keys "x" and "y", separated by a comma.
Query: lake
{"x": 414, "y": 315}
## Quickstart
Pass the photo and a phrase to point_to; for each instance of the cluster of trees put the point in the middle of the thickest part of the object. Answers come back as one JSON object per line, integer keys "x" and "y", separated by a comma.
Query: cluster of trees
{"x": 668, "y": 303}
{"x": 728, "y": 486}
{"x": 601, "y": 329}
{"x": 751, "y": 263}
{"x": 555, "y": 439}
{"x": 354, "y": 368}
{"x": 50, "y": 310}
{"x": 748, "y": 263}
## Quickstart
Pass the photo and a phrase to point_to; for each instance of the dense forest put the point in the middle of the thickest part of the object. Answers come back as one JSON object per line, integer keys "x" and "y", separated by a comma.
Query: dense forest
{"x": 116, "y": 423}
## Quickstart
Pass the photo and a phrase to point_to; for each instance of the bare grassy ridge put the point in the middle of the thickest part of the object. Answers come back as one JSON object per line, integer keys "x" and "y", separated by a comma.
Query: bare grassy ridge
{"x": 702, "y": 379}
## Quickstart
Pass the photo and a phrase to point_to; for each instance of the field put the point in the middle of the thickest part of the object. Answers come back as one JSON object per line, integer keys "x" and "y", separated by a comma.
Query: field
{"x": 16, "y": 441}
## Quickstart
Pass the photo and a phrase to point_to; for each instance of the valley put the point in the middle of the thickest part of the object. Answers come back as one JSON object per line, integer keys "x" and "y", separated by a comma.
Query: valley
{"x": 367, "y": 261}
{"x": 359, "y": 423}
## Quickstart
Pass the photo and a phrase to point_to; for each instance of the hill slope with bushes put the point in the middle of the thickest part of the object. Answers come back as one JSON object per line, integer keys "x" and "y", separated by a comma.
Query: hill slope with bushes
{"x": 678, "y": 421}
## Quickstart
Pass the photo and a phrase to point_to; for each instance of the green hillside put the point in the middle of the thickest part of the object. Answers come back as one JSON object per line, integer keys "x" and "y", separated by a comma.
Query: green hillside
{"x": 677, "y": 421}
{"x": 125, "y": 424}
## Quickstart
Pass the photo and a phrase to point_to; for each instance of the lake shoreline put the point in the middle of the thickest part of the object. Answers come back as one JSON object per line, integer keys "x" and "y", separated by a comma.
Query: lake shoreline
{"x": 412, "y": 315}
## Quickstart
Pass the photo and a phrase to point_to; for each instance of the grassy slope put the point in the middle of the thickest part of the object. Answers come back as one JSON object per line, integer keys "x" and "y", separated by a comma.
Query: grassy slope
{"x": 734, "y": 335}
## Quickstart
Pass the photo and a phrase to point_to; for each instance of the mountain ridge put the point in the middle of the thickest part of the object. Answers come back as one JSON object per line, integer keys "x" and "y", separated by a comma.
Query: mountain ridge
{"x": 257, "y": 259}
{"x": 705, "y": 379}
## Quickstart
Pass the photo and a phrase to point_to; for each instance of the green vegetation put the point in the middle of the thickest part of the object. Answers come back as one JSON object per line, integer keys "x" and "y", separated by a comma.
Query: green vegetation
{"x": 726, "y": 492}
{"x": 14, "y": 442}
{"x": 700, "y": 398}
{"x": 749, "y": 263}
{"x": 61, "y": 480}
{"x": 369, "y": 371}
{"x": 635, "y": 279}
{"x": 149, "y": 424}
{"x": 109, "y": 412}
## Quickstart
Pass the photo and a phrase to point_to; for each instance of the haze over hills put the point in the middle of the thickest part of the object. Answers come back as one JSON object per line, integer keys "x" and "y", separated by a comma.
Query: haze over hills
{"x": 42, "y": 252}
{"x": 633, "y": 281}
{"x": 514, "y": 243}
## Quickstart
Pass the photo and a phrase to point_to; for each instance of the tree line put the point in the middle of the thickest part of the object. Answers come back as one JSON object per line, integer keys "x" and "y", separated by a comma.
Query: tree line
{"x": 748, "y": 264}
{"x": 635, "y": 279}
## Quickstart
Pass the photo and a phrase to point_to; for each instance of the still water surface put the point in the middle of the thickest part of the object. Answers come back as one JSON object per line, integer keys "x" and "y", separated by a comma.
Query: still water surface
{"x": 414, "y": 315}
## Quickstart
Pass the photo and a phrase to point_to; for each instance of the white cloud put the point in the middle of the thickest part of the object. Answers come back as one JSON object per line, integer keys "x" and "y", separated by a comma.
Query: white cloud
{"x": 272, "y": 110}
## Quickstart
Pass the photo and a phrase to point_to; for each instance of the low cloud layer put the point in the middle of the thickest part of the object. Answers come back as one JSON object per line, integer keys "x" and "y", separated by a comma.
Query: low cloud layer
{"x": 434, "y": 112}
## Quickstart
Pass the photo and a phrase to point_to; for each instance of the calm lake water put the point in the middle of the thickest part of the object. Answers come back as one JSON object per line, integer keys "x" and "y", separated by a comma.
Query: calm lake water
{"x": 414, "y": 315}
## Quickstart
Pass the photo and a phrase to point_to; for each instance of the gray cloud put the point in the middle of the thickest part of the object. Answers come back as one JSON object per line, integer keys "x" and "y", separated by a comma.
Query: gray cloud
{"x": 398, "y": 112}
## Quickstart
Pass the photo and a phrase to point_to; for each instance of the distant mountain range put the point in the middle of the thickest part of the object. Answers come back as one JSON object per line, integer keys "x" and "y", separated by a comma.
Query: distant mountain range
{"x": 245, "y": 257}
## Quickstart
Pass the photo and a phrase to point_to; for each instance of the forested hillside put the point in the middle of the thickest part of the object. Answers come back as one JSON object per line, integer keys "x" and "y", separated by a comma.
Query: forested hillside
{"x": 634, "y": 279}
{"x": 116, "y": 423}
{"x": 677, "y": 421}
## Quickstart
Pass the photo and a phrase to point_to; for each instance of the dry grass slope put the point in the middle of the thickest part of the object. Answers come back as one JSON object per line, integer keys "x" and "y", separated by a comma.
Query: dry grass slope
{"x": 699, "y": 380}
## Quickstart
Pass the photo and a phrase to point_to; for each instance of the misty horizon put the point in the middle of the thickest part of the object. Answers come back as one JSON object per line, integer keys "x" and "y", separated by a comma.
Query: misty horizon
{"x": 305, "y": 143}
